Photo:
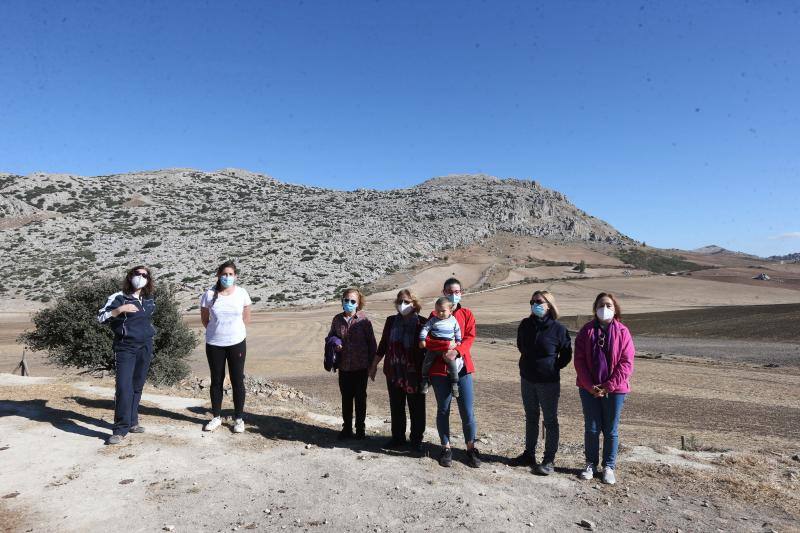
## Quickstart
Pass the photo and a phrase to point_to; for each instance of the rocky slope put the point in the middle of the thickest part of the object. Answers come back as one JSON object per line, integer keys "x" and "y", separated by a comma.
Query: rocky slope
{"x": 294, "y": 244}
{"x": 789, "y": 258}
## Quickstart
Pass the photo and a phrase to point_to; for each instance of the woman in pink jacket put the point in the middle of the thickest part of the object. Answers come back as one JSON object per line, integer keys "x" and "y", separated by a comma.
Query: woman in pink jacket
{"x": 604, "y": 363}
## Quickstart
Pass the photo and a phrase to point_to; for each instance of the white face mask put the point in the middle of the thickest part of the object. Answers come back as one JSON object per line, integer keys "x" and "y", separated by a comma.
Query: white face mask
{"x": 605, "y": 314}
{"x": 404, "y": 308}
{"x": 138, "y": 282}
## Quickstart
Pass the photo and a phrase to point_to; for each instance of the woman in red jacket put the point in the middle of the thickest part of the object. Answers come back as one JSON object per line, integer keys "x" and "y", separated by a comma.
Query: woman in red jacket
{"x": 604, "y": 363}
{"x": 443, "y": 389}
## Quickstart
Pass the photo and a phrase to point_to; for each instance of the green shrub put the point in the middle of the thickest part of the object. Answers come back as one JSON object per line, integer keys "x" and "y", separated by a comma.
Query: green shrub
{"x": 69, "y": 333}
{"x": 657, "y": 262}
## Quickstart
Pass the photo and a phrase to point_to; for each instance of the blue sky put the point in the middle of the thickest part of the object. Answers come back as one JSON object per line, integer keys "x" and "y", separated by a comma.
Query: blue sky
{"x": 677, "y": 122}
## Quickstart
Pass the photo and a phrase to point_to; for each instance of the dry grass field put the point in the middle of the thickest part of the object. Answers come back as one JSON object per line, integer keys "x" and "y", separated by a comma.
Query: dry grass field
{"x": 739, "y": 422}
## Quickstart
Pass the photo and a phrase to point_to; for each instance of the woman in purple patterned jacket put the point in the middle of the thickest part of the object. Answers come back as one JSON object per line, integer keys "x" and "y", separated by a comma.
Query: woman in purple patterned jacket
{"x": 355, "y": 357}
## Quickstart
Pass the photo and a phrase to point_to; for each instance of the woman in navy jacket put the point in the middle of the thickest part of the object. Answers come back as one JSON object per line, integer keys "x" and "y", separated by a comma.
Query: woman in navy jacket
{"x": 130, "y": 315}
{"x": 545, "y": 348}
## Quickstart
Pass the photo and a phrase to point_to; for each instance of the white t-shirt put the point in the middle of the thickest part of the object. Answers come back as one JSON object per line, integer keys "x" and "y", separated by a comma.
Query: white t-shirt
{"x": 225, "y": 325}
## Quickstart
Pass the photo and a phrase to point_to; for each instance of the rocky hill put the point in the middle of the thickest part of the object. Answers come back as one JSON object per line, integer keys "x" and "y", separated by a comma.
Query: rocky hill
{"x": 295, "y": 244}
{"x": 788, "y": 258}
{"x": 713, "y": 249}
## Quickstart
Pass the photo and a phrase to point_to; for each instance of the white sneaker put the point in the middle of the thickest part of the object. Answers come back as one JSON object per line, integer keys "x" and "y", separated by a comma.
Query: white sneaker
{"x": 587, "y": 473}
{"x": 608, "y": 476}
{"x": 213, "y": 424}
{"x": 238, "y": 426}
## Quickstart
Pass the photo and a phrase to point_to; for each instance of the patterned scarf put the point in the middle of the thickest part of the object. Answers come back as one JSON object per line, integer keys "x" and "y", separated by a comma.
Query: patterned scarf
{"x": 399, "y": 365}
{"x": 601, "y": 349}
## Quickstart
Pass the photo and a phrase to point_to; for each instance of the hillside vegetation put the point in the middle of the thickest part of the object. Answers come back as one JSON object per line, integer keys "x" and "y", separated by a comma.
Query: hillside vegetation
{"x": 295, "y": 244}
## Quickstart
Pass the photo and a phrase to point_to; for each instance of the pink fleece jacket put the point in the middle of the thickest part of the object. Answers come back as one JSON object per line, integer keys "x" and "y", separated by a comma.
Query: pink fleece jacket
{"x": 622, "y": 352}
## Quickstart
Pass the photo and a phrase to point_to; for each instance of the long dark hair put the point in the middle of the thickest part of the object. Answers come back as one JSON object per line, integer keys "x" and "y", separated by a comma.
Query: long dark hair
{"x": 218, "y": 284}
{"x": 147, "y": 290}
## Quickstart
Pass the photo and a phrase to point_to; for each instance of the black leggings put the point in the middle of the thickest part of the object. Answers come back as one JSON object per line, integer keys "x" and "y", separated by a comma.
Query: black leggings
{"x": 235, "y": 356}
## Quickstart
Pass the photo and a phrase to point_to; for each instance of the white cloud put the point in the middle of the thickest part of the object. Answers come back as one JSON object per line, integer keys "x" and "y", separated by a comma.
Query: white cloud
{"x": 784, "y": 236}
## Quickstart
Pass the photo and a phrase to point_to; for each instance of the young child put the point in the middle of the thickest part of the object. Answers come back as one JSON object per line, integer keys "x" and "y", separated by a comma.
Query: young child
{"x": 441, "y": 327}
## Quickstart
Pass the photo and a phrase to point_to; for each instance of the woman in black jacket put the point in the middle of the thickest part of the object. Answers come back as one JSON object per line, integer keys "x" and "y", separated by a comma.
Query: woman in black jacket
{"x": 545, "y": 348}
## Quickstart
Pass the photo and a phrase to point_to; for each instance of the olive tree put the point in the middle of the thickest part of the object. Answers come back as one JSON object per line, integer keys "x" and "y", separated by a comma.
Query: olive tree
{"x": 70, "y": 334}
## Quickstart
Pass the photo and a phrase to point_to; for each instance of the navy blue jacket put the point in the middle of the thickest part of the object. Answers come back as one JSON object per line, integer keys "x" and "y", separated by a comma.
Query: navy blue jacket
{"x": 545, "y": 348}
{"x": 129, "y": 327}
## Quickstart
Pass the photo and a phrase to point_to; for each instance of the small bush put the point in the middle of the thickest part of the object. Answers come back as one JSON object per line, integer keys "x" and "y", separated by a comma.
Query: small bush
{"x": 70, "y": 334}
{"x": 657, "y": 262}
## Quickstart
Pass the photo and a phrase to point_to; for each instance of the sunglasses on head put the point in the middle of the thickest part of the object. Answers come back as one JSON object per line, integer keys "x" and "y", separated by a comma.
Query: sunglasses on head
{"x": 345, "y": 300}
{"x": 145, "y": 275}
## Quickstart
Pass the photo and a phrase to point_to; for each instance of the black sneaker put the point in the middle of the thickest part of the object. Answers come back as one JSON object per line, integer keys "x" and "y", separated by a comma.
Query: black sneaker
{"x": 394, "y": 444}
{"x": 544, "y": 469}
{"x": 345, "y": 434}
{"x": 360, "y": 434}
{"x": 523, "y": 459}
{"x": 473, "y": 458}
{"x": 446, "y": 458}
{"x": 417, "y": 447}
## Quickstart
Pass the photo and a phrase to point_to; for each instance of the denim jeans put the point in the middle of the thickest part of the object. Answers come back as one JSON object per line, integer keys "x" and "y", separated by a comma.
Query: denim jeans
{"x": 544, "y": 396}
{"x": 444, "y": 396}
{"x": 601, "y": 414}
{"x": 131, "y": 361}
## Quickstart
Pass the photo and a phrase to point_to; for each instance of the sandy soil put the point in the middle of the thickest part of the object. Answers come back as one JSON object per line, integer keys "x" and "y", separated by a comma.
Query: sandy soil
{"x": 743, "y": 420}
{"x": 288, "y": 471}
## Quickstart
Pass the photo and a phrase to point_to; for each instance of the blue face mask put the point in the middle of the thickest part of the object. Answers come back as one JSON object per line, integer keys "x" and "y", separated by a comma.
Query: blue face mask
{"x": 454, "y": 298}
{"x": 348, "y": 307}
{"x": 539, "y": 310}
{"x": 227, "y": 281}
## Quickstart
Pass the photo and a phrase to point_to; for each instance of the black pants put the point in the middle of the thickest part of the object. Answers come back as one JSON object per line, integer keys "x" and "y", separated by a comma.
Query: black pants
{"x": 235, "y": 356}
{"x": 131, "y": 363}
{"x": 353, "y": 386}
{"x": 398, "y": 398}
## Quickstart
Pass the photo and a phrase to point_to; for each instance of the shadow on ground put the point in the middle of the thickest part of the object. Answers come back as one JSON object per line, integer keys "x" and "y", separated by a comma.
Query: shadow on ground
{"x": 63, "y": 419}
{"x": 271, "y": 427}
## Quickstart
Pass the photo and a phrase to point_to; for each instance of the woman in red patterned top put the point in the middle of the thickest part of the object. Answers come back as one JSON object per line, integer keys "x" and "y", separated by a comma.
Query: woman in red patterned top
{"x": 403, "y": 368}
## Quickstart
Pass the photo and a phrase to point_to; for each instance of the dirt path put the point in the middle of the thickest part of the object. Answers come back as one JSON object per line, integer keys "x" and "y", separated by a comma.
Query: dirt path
{"x": 288, "y": 472}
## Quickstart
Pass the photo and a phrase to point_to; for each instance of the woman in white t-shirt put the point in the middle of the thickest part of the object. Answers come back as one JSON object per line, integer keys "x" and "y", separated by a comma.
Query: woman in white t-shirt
{"x": 224, "y": 311}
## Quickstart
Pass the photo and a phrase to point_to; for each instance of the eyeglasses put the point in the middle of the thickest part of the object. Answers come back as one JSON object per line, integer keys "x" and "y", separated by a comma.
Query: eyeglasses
{"x": 346, "y": 301}
{"x": 540, "y": 302}
{"x": 145, "y": 275}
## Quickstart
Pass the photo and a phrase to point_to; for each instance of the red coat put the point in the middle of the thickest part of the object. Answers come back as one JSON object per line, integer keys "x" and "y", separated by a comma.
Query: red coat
{"x": 466, "y": 320}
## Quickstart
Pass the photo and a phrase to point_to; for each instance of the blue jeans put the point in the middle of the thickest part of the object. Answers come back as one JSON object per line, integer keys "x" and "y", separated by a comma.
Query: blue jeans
{"x": 444, "y": 396}
{"x": 544, "y": 397}
{"x": 601, "y": 414}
